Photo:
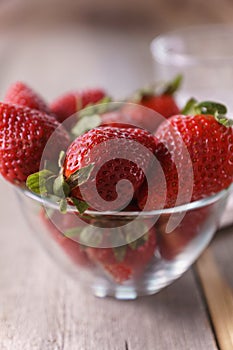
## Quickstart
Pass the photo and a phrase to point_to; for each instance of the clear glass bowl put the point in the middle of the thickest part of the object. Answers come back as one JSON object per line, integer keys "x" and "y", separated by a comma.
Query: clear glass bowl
{"x": 175, "y": 239}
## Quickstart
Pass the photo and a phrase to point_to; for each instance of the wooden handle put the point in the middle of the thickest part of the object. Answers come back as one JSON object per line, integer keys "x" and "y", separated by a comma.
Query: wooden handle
{"x": 219, "y": 299}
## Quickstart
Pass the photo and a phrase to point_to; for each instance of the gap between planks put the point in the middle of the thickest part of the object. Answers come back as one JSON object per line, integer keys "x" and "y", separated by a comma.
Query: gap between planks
{"x": 219, "y": 299}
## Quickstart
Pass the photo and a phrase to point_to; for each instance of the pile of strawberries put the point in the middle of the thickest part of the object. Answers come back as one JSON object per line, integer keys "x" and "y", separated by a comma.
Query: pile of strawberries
{"x": 195, "y": 144}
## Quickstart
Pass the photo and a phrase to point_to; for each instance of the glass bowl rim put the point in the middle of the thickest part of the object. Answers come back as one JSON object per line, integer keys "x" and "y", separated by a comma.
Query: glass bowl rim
{"x": 160, "y": 51}
{"x": 178, "y": 209}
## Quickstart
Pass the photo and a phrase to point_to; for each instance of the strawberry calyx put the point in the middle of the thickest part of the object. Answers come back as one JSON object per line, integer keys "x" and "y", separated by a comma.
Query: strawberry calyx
{"x": 119, "y": 253}
{"x": 168, "y": 88}
{"x": 85, "y": 124}
{"x": 89, "y": 236}
{"x": 86, "y": 236}
{"x": 218, "y": 110}
{"x": 172, "y": 86}
{"x": 224, "y": 120}
{"x": 209, "y": 107}
{"x": 53, "y": 184}
{"x": 96, "y": 108}
{"x": 189, "y": 107}
{"x": 89, "y": 117}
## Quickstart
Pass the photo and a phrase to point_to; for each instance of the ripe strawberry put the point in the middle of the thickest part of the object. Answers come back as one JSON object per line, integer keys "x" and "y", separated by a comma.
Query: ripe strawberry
{"x": 21, "y": 94}
{"x": 72, "y": 102}
{"x": 125, "y": 262}
{"x": 155, "y": 200}
{"x": 173, "y": 243}
{"x": 209, "y": 145}
{"x": 164, "y": 104}
{"x": 67, "y": 222}
{"x": 134, "y": 116}
{"x": 147, "y": 108}
{"x": 23, "y": 135}
{"x": 117, "y": 154}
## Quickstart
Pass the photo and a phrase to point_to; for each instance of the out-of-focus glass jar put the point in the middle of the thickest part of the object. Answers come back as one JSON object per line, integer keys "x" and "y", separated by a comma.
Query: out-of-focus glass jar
{"x": 204, "y": 55}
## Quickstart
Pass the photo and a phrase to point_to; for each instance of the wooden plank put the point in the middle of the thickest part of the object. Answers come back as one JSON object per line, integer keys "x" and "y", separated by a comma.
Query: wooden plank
{"x": 219, "y": 299}
{"x": 215, "y": 271}
{"x": 40, "y": 308}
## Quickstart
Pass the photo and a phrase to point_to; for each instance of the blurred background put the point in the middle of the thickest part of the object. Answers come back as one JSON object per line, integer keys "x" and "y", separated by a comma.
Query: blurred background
{"x": 57, "y": 45}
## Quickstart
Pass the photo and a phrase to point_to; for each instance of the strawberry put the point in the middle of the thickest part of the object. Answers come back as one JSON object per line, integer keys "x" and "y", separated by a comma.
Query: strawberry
{"x": 125, "y": 262}
{"x": 21, "y": 94}
{"x": 147, "y": 108}
{"x": 72, "y": 102}
{"x": 67, "y": 222}
{"x": 116, "y": 154}
{"x": 157, "y": 185}
{"x": 173, "y": 243}
{"x": 163, "y": 101}
{"x": 23, "y": 135}
{"x": 208, "y": 142}
{"x": 163, "y": 104}
{"x": 132, "y": 115}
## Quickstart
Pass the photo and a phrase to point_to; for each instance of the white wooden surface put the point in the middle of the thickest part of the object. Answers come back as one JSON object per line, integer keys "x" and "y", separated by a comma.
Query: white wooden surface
{"x": 40, "y": 307}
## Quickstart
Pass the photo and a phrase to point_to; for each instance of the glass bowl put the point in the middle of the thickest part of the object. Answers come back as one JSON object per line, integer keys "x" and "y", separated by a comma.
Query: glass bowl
{"x": 162, "y": 246}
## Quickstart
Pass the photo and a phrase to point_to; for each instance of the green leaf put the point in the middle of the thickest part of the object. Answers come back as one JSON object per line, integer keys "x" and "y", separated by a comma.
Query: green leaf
{"x": 96, "y": 108}
{"x": 37, "y": 181}
{"x": 144, "y": 92}
{"x": 63, "y": 206}
{"x": 85, "y": 124}
{"x": 120, "y": 252}
{"x": 139, "y": 242}
{"x": 80, "y": 205}
{"x": 136, "y": 226}
{"x": 80, "y": 176}
{"x": 209, "y": 107}
{"x": 117, "y": 237}
{"x": 157, "y": 89}
{"x": 189, "y": 107}
{"x": 172, "y": 86}
{"x": 49, "y": 184}
{"x": 61, "y": 187}
{"x": 224, "y": 120}
{"x": 89, "y": 117}
{"x": 90, "y": 236}
{"x": 61, "y": 159}
{"x": 54, "y": 198}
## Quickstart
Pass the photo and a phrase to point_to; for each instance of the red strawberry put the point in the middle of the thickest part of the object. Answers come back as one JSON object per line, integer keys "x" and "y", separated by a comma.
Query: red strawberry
{"x": 117, "y": 154}
{"x": 72, "y": 102}
{"x": 66, "y": 222}
{"x": 132, "y": 115}
{"x": 123, "y": 263}
{"x": 132, "y": 207}
{"x": 21, "y": 94}
{"x": 173, "y": 243}
{"x": 163, "y": 104}
{"x": 148, "y": 108}
{"x": 23, "y": 135}
{"x": 209, "y": 146}
{"x": 155, "y": 200}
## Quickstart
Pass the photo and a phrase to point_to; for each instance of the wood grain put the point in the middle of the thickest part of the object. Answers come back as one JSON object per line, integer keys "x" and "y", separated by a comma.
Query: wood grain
{"x": 219, "y": 298}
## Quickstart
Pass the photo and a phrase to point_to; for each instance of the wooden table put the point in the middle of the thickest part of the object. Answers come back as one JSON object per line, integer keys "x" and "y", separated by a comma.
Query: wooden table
{"x": 40, "y": 307}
